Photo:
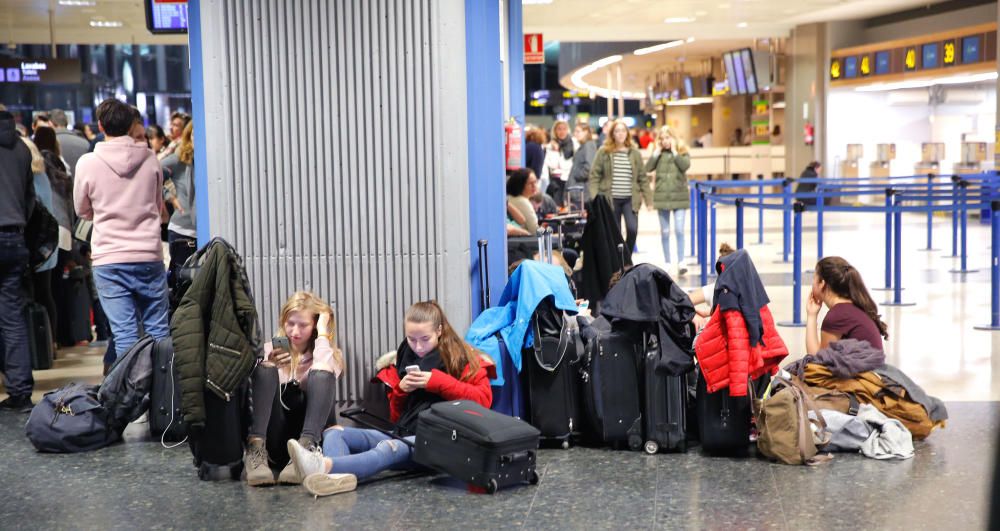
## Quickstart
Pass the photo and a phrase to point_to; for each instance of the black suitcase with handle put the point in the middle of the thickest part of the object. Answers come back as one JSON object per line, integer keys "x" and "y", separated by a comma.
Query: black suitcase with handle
{"x": 665, "y": 405}
{"x": 39, "y": 336}
{"x": 551, "y": 373}
{"x": 165, "y": 421}
{"x": 477, "y": 445}
{"x": 725, "y": 422}
{"x": 611, "y": 384}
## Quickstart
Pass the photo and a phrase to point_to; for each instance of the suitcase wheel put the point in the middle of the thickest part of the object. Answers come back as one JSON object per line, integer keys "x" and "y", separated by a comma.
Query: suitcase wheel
{"x": 651, "y": 447}
{"x": 565, "y": 444}
{"x": 491, "y": 487}
{"x": 533, "y": 478}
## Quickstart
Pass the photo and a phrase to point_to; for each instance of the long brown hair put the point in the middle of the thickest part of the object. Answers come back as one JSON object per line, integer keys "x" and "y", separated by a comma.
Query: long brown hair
{"x": 609, "y": 142}
{"x": 455, "y": 353}
{"x": 845, "y": 281}
{"x": 185, "y": 149}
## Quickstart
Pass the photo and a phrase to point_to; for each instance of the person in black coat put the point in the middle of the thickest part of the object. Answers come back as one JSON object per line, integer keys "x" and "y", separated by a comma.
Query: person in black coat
{"x": 534, "y": 153}
{"x": 811, "y": 172}
{"x": 599, "y": 246}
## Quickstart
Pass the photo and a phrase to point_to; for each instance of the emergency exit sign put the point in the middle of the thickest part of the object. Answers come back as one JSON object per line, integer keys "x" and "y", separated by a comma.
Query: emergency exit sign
{"x": 534, "y": 49}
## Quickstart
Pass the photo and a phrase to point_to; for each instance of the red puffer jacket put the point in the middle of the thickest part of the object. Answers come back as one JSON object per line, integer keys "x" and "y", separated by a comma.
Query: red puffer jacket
{"x": 725, "y": 356}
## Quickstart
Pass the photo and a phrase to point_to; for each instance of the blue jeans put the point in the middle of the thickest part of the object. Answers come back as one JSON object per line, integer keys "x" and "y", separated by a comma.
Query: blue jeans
{"x": 13, "y": 328}
{"x": 678, "y": 231}
{"x": 132, "y": 294}
{"x": 365, "y": 453}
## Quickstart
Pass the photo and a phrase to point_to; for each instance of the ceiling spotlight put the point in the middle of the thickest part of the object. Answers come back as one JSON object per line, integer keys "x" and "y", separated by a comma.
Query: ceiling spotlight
{"x": 742, "y": 25}
{"x": 678, "y": 20}
{"x": 106, "y": 23}
{"x": 690, "y": 39}
{"x": 78, "y": 3}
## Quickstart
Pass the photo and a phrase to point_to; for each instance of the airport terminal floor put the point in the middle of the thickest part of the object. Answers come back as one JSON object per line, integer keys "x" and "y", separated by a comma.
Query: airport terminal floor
{"x": 140, "y": 484}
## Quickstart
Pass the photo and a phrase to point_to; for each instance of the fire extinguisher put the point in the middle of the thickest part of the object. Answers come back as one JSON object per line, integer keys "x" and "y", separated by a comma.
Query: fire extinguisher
{"x": 808, "y": 133}
{"x": 512, "y": 144}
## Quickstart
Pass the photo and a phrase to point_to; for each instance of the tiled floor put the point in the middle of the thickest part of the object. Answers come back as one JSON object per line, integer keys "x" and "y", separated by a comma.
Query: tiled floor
{"x": 141, "y": 485}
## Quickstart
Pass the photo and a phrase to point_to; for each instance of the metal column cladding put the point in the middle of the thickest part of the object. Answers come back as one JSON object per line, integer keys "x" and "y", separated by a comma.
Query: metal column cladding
{"x": 336, "y": 159}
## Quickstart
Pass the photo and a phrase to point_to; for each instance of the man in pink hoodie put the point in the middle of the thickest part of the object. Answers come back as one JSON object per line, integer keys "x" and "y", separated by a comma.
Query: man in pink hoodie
{"x": 120, "y": 186}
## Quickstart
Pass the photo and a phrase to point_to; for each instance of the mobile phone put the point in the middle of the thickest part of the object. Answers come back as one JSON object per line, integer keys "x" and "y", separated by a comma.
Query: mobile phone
{"x": 281, "y": 342}
{"x": 412, "y": 368}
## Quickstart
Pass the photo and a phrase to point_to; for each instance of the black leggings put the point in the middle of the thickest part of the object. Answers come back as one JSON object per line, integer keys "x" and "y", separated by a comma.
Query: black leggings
{"x": 309, "y": 410}
{"x": 623, "y": 208}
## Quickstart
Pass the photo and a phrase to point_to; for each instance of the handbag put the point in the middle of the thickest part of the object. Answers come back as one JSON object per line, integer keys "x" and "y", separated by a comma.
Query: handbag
{"x": 41, "y": 235}
{"x": 70, "y": 419}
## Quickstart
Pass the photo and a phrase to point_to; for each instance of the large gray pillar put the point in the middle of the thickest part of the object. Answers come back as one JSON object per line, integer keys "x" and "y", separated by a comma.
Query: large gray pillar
{"x": 805, "y": 97}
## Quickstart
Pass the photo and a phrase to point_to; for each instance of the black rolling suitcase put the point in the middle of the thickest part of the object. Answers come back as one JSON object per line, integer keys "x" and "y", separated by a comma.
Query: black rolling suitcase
{"x": 665, "y": 405}
{"x": 165, "y": 421}
{"x": 551, "y": 372}
{"x": 476, "y": 445}
{"x": 39, "y": 336}
{"x": 218, "y": 446}
{"x": 611, "y": 384}
{"x": 725, "y": 422}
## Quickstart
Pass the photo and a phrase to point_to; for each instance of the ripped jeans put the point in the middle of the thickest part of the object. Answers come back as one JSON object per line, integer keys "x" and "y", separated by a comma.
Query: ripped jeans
{"x": 365, "y": 453}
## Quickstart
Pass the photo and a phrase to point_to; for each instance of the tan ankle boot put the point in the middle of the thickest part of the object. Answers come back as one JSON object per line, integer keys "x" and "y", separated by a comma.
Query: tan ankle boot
{"x": 255, "y": 465}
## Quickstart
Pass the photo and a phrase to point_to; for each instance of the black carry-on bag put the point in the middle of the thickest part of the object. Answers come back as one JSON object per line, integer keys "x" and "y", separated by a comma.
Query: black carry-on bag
{"x": 551, "y": 369}
{"x": 165, "y": 423}
{"x": 725, "y": 422}
{"x": 611, "y": 385}
{"x": 39, "y": 336}
{"x": 664, "y": 404}
{"x": 470, "y": 443}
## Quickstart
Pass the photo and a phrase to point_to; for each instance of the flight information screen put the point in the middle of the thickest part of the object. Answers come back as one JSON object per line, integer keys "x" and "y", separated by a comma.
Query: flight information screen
{"x": 167, "y": 16}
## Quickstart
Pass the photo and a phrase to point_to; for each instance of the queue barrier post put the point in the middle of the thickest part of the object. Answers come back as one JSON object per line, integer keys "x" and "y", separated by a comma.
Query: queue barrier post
{"x": 819, "y": 221}
{"x": 994, "y": 269}
{"x": 760, "y": 210}
{"x": 786, "y": 221}
{"x": 954, "y": 216}
{"x": 739, "y": 222}
{"x": 694, "y": 220}
{"x": 796, "y": 321}
{"x": 711, "y": 246}
{"x": 702, "y": 237}
{"x": 930, "y": 213}
{"x": 889, "y": 192}
{"x": 897, "y": 228}
{"x": 963, "y": 206}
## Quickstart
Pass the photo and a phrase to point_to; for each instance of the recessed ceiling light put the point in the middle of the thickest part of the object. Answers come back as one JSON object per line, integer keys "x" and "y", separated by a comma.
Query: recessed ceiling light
{"x": 106, "y": 23}
{"x": 690, "y": 39}
{"x": 724, "y": 6}
{"x": 678, "y": 20}
{"x": 82, "y": 3}
{"x": 658, "y": 47}
{"x": 742, "y": 25}
{"x": 700, "y": 13}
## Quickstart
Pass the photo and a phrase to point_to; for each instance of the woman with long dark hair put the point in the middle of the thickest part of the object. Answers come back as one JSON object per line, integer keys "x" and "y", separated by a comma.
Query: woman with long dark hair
{"x": 853, "y": 314}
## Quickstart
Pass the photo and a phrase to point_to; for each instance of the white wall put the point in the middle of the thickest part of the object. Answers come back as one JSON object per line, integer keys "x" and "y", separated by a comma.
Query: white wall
{"x": 868, "y": 118}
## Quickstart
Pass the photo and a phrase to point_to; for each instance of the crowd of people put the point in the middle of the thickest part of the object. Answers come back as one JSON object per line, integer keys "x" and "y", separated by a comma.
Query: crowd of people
{"x": 118, "y": 190}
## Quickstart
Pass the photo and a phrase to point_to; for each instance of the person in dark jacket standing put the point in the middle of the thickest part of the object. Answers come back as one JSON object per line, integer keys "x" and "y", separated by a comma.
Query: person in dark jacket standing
{"x": 811, "y": 172}
{"x": 534, "y": 153}
{"x": 583, "y": 158}
{"x": 16, "y": 204}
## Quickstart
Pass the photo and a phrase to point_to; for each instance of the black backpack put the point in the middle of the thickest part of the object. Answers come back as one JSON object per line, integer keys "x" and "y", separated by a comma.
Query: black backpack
{"x": 125, "y": 390}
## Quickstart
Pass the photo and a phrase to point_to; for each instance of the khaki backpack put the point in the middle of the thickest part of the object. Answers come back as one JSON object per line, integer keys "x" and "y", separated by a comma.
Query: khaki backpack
{"x": 785, "y": 428}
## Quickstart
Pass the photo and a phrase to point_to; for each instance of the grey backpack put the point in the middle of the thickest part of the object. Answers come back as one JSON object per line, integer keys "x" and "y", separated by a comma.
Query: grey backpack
{"x": 125, "y": 390}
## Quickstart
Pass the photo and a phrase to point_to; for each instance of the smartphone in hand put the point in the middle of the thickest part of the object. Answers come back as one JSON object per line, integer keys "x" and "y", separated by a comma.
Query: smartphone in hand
{"x": 281, "y": 342}
{"x": 412, "y": 368}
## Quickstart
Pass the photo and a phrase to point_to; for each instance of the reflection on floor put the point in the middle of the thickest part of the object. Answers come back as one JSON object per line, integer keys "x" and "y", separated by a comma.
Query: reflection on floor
{"x": 140, "y": 484}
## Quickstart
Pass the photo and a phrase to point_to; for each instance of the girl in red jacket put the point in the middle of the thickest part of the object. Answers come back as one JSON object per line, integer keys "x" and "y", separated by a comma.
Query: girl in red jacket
{"x": 431, "y": 365}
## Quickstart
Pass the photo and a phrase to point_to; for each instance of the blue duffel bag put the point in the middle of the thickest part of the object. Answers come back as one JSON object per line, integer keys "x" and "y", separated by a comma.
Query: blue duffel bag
{"x": 70, "y": 419}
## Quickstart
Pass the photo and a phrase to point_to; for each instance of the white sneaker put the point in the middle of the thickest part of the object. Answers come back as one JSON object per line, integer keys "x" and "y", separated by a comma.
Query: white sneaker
{"x": 327, "y": 484}
{"x": 306, "y": 462}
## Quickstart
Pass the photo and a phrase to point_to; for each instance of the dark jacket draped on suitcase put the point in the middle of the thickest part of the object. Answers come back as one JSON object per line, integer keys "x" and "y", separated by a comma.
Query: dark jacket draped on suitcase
{"x": 216, "y": 331}
{"x": 599, "y": 246}
{"x": 646, "y": 293}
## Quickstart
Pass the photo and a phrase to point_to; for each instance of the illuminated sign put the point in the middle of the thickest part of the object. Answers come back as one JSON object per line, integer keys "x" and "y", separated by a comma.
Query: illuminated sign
{"x": 930, "y": 56}
{"x": 851, "y": 67}
{"x": 948, "y": 54}
{"x": 866, "y": 65}
{"x": 910, "y": 59}
{"x": 882, "y": 63}
{"x": 39, "y": 70}
{"x": 835, "y": 69}
{"x": 970, "y": 49}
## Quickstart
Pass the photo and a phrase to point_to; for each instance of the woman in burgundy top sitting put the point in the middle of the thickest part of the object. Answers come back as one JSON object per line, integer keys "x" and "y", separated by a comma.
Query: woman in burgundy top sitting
{"x": 853, "y": 314}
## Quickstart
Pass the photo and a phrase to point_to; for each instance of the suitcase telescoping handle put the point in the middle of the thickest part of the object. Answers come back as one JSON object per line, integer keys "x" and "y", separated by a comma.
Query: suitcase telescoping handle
{"x": 621, "y": 255}
{"x": 484, "y": 274}
{"x": 355, "y": 414}
{"x": 545, "y": 245}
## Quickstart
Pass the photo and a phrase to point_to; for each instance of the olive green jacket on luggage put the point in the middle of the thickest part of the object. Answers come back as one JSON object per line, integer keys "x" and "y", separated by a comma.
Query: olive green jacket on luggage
{"x": 671, "y": 190}
{"x": 215, "y": 331}
{"x": 602, "y": 174}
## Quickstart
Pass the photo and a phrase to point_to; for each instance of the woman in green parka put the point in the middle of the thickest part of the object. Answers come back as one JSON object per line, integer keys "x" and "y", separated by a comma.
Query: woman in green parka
{"x": 671, "y": 198}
